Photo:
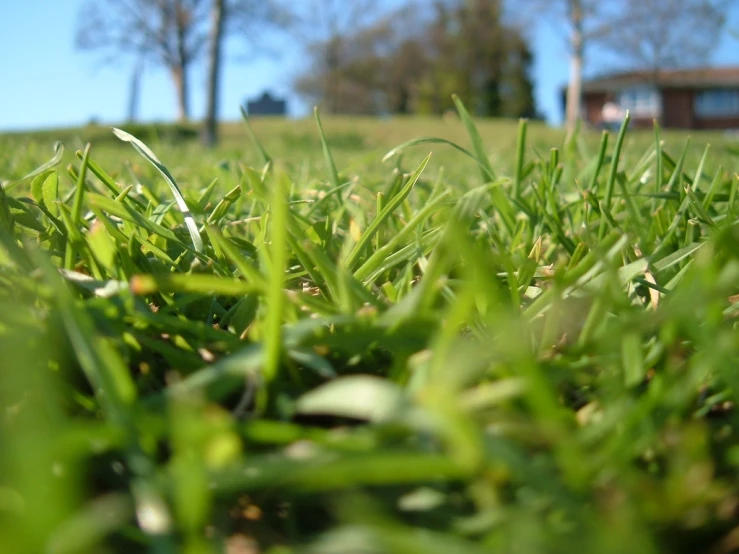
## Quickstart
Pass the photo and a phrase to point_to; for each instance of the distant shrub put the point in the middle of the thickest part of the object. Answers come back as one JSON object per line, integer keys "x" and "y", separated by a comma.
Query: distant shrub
{"x": 148, "y": 132}
{"x": 347, "y": 140}
{"x": 162, "y": 131}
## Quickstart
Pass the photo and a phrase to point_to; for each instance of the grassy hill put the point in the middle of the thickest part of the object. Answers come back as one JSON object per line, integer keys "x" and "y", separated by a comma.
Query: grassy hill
{"x": 358, "y": 144}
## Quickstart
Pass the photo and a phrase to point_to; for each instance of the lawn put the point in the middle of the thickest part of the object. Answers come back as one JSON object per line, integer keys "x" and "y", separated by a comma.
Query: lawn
{"x": 319, "y": 339}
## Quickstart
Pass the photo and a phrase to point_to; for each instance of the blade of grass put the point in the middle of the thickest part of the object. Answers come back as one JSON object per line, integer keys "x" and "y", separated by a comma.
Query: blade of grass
{"x": 501, "y": 201}
{"x": 615, "y": 162}
{"x": 333, "y": 174}
{"x": 278, "y": 250}
{"x": 391, "y": 206}
{"x": 51, "y": 164}
{"x": 144, "y": 150}
{"x": 76, "y": 215}
{"x": 486, "y": 168}
{"x": 266, "y": 159}
{"x": 520, "y": 157}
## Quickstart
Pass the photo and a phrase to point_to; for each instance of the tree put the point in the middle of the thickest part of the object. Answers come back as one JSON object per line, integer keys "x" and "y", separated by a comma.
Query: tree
{"x": 349, "y": 84}
{"x": 415, "y": 57}
{"x": 646, "y": 34}
{"x": 247, "y": 19}
{"x": 665, "y": 34}
{"x": 403, "y": 73}
{"x": 517, "y": 96}
{"x": 577, "y": 14}
{"x": 165, "y": 32}
{"x": 478, "y": 56}
{"x": 172, "y": 34}
{"x": 133, "y": 91}
{"x": 584, "y": 22}
{"x": 210, "y": 122}
{"x": 324, "y": 28}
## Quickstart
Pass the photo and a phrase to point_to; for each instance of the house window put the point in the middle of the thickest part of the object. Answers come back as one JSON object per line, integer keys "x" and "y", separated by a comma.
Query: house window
{"x": 641, "y": 101}
{"x": 717, "y": 103}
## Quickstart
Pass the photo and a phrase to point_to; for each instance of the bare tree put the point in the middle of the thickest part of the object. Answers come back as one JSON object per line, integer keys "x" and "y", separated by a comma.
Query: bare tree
{"x": 174, "y": 34}
{"x": 584, "y": 22}
{"x": 664, "y": 34}
{"x": 648, "y": 34}
{"x": 576, "y": 17}
{"x": 247, "y": 19}
{"x": 168, "y": 33}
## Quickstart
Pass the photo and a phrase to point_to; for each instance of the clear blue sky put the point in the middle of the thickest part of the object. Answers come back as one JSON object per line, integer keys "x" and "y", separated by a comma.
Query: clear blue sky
{"x": 46, "y": 83}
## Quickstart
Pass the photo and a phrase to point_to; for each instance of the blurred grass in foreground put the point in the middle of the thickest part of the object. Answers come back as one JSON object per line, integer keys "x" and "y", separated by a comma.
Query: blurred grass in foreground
{"x": 502, "y": 348}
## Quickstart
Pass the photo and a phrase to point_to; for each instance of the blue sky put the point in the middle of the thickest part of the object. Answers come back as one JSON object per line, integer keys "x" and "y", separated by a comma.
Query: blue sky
{"x": 46, "y": 83}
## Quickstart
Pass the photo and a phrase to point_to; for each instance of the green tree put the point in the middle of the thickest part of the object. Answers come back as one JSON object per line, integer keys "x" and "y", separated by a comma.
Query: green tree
{"x": 517, "y": 86}
{"x": 412, "y": 59}
{"x": 329, "y": 31}
{"x": 480, "y": 58}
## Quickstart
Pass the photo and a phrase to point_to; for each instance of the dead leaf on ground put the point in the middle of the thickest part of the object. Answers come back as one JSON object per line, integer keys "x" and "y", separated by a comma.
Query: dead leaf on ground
{"x": 242, "y": 544}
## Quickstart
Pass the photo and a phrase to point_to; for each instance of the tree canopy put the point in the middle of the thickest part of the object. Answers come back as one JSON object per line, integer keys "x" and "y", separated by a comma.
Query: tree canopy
{"x": 412, "y": 59}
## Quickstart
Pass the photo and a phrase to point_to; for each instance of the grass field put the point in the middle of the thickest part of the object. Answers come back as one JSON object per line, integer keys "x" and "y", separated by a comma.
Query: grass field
{"x": 291, "y": 344}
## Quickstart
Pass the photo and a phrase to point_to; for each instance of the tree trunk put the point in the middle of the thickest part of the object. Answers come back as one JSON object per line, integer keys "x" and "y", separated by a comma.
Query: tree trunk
{"x": 334, "y": 94}
{"x": 179, "y": 77}
{"x": 182, "y": 63}
{"x": 210, "y": 123}
{"x": 133, "y": 94}
{"x": 574, "y": 87}
{"x": 403, "y": 102}
{"x": 332, "y": 76}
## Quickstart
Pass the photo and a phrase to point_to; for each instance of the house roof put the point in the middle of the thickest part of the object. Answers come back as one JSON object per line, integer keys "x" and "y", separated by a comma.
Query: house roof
{"x": 704, "y": 77}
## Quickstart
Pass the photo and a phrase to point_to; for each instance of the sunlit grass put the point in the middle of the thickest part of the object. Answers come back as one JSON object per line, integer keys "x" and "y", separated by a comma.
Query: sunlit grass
{"x": 503, "y": 347}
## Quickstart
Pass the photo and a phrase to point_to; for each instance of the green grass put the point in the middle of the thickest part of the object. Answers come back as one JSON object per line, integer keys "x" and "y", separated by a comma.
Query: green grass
{"x": 503, "y": 347}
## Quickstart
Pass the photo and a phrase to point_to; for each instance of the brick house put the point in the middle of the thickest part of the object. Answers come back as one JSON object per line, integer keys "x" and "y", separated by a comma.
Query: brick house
{"x": 705, "y": 98}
